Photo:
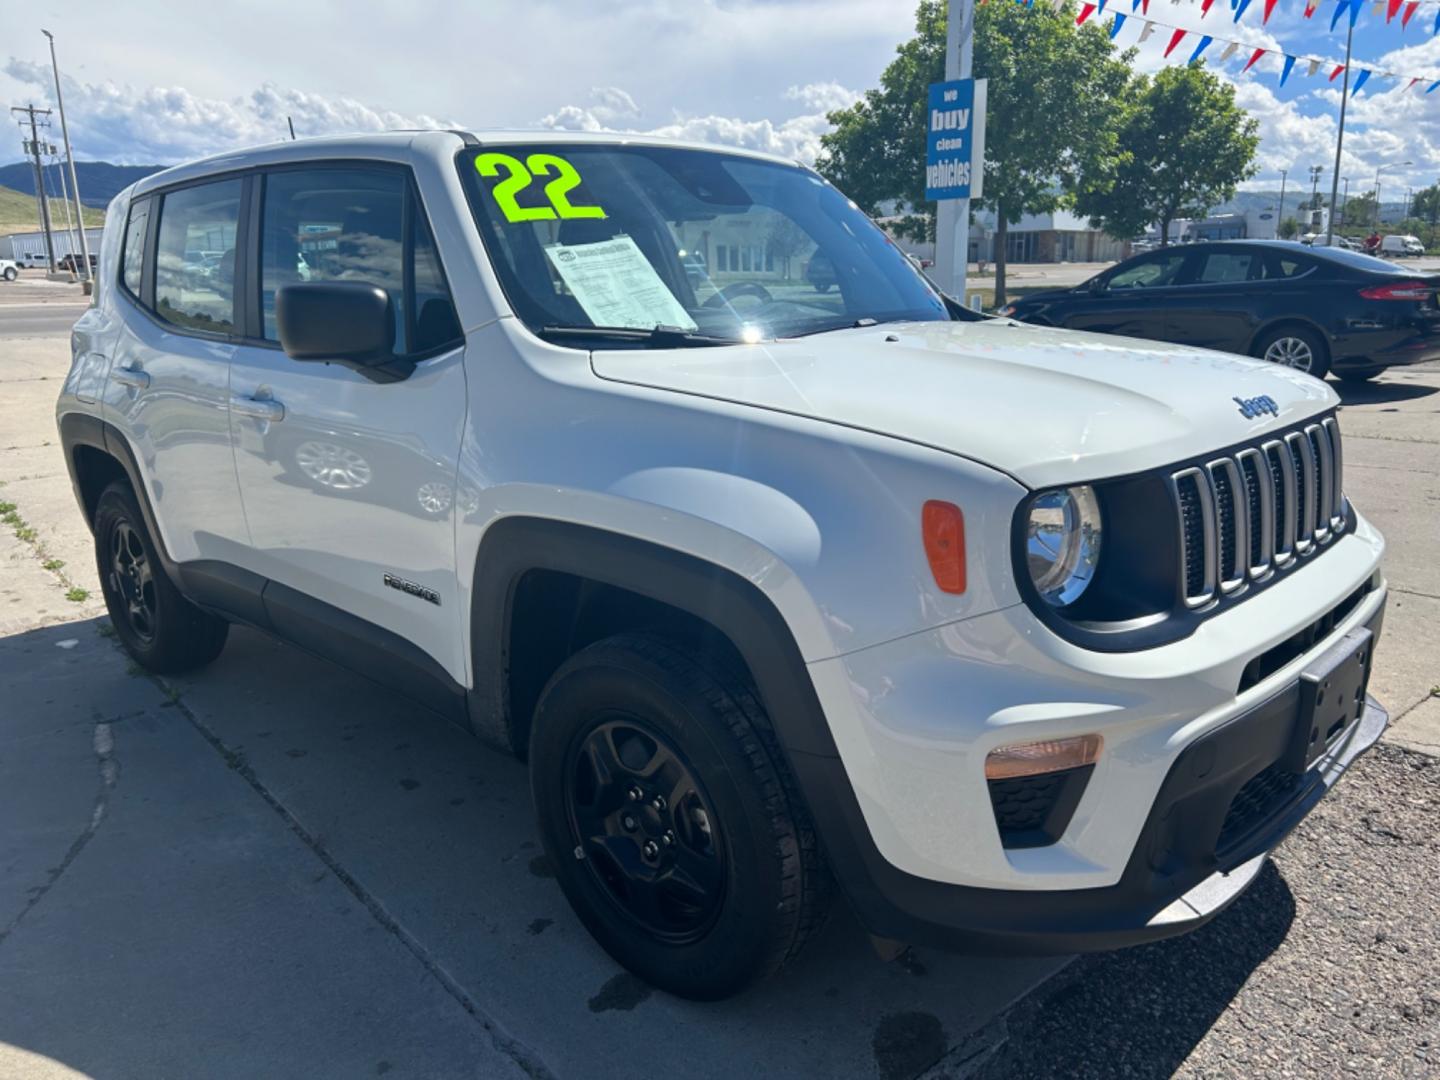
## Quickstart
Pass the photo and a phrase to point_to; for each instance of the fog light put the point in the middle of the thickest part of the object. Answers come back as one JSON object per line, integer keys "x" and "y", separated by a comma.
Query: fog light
{"x": 1044, "y": 756}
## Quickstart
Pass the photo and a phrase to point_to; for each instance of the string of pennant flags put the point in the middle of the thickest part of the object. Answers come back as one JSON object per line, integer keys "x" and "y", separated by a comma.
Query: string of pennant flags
{"x": 1361, "y": 72}
{"x": 1389, "y": 10}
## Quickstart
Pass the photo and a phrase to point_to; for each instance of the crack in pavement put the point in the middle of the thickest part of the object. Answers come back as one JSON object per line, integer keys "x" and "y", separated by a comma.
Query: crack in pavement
{"x": 523, "y": 1056}
{"x": 103, "y": 741}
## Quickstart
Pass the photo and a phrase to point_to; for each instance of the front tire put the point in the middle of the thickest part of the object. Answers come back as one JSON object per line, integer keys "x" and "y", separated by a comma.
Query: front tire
{"x": 1297, "y": 347}
{"x": 11, "y": 273}
{"x": 1357, "y": 378}
{"x": 163, "y": 631}
{"x": 667, "y": 811}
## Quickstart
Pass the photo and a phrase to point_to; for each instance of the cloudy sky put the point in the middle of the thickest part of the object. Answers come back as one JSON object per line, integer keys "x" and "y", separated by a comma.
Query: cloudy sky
{"x": 145, "y": 86}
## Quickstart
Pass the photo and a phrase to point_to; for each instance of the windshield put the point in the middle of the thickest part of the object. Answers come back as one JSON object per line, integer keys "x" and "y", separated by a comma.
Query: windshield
{"x": 720, "y": 247}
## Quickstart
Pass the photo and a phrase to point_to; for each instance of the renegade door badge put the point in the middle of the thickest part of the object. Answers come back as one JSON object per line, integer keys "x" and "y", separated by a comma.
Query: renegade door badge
{"x": 413, "y": 589}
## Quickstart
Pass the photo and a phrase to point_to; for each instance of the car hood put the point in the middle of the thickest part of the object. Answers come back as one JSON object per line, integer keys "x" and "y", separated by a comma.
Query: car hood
{"x": 1046, "y": 406}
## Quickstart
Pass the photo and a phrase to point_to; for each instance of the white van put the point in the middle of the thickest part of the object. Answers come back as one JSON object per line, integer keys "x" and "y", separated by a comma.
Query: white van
{"x": 1401, "y": 246}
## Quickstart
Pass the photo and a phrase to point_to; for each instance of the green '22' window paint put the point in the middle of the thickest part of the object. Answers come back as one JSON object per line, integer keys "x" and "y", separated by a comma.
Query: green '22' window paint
{"x": 522, "y": 175}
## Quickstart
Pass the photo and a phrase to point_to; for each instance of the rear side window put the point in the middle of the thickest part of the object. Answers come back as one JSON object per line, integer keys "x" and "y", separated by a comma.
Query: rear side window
{"x": 195, "y": 257}
{"x": 1220, "y": 267}
{"x": 1284, "y": 266}
{"x": 355, "y": 223}
{"x": 132, "y": 258}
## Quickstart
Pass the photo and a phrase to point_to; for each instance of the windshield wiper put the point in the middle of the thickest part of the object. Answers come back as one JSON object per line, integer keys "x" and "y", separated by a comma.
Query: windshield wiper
{"x": 857, "y": 324}
{"x": 663, "y": 337}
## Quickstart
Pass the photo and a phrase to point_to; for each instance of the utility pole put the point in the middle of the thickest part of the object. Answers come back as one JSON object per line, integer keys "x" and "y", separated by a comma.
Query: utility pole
{"x": 70, "y": 158}
{"x": 1280, "y": 214}
{"x": 69, "y": 222}
{"x": 1339, "y": 138}
{"x": 952, "y": 216}
{"x": 33, "y": 149}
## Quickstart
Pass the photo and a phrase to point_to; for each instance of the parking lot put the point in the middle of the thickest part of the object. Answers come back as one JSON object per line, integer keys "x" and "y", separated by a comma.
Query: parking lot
{"x": 273, "y": 868}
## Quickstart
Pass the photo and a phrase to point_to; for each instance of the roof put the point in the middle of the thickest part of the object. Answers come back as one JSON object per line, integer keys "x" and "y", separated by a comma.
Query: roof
{"x": 395, "y": 143}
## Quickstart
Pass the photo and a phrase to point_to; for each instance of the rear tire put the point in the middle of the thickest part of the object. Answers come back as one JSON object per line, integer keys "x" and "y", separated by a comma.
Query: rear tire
{"x": 163, "y": 631}
{"x": 674, "y": 828}
{"x": 11, "y": 273}
{"x": 1297, "y": 347}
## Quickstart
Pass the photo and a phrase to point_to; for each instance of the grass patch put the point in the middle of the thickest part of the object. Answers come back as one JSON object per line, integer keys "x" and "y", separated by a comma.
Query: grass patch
{"x": 105, "y": 630}
{"x": 7, "y": 508}
{"x": 53, "y": 564}
{"x": 25, "y": 533}
{"x": 77, "y": 594}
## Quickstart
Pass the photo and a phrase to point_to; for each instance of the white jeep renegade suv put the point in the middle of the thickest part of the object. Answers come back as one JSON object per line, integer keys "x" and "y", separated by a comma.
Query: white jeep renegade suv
{"x": 662, "y": 466}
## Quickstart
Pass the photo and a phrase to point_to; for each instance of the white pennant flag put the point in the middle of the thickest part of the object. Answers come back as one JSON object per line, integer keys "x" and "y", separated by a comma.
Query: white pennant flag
{"x": 1145, "y": 34}
{"x": 1314, "y": 67}
{"x": 1230, "y": 47}
{"x": 1378, "y": 8}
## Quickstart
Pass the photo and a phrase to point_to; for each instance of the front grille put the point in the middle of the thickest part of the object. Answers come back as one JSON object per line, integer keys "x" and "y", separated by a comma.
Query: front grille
{"x": 1260, "y": 798}
{"x": 1244, "y": 515}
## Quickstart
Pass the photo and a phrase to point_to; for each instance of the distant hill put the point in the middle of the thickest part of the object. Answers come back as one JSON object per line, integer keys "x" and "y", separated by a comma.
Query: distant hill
{"x": 18, "y": 213}
{"x": 100, "y": 181}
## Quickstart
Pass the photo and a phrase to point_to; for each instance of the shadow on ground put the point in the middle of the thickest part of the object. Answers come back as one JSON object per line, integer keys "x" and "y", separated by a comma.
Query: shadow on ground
{"x": 1138, "y": 1012}
{"x": 1377, "y": 393}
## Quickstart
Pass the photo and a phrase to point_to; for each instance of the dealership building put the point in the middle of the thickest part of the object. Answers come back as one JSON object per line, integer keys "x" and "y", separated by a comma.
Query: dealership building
{"x": 28, "y": 248}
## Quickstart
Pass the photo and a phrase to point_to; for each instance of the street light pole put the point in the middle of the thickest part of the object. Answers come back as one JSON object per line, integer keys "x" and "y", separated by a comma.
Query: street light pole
{"x": 70, "y": 158}
{"x": 1340, "y": 136}
{"x": 1344, "y": 200}
{"x": 1378, "y": 171}
{"x": 1280, "y": 214}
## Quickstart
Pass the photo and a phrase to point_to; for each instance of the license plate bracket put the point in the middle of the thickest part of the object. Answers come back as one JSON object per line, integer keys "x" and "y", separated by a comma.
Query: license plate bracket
{"x": 1332, "y": 697}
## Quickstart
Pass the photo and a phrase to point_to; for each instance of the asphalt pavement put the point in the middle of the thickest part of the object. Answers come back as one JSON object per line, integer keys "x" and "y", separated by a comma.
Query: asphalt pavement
{"x": 273, "y": 868}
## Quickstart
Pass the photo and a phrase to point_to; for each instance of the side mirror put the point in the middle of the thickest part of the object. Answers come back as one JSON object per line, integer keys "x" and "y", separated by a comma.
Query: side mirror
{"x": 340, "y": 322}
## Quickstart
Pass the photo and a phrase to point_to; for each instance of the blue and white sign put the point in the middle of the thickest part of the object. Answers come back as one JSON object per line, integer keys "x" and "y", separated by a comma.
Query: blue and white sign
{"x": 955, "y": 139}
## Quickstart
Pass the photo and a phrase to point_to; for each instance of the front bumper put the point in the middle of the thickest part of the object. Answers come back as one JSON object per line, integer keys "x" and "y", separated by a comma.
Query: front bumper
{"x": 1180, "y": 875}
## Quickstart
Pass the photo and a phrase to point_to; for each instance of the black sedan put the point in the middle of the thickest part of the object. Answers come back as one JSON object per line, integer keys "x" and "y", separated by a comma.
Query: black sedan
{"x": 1317, "y": 309}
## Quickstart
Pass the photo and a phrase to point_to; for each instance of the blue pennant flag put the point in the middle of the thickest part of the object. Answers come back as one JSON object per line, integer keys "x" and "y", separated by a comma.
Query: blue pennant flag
{"x": 1289, "y": 63}
{"x": 1101, "y": 9}
{"x": 1432, "y": 86}
{"x": 1360, "y": 81}
{"x": 1340, "y": 10}
{"x": 1437, "y": 22}
{"x": 1240, "y": 6}
{"x": 1204, "y": 44}
{"x": 1116, "y": 25}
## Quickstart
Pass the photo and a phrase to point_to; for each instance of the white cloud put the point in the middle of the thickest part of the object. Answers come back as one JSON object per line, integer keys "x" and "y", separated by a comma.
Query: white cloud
{"x": 797, "y": 137}
{"x": 146, "y": 125}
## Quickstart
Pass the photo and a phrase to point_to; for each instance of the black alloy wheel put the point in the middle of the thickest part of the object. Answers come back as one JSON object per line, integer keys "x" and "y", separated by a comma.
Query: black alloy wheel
{"x": 132, "y": 580}
{"x": 648, "y": 831}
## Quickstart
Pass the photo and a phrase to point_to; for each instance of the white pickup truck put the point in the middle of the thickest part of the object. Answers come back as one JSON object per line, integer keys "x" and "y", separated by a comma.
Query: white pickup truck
{"x": 1025, "y": 639}
{"x": 9, "y": 270}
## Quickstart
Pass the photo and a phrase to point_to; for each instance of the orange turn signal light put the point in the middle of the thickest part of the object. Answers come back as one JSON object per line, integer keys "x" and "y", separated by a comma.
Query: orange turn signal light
{"x": 943, "y": 526}
{"x": 1045, "y": 756}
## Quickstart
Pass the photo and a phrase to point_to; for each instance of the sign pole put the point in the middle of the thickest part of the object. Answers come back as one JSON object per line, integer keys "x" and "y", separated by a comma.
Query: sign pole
{"x": 952, "y": 221}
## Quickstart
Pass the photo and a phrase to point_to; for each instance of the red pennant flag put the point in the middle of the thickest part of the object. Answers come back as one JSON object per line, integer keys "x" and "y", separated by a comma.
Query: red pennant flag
{"x": 1175, "y": 39}
{"x": 1391, "y": 8}
{"x": 1085, "y": 13}
{"x": 1310, "y": 6}
{"x": 1338, "y": 68}
{"x": 1253, "y": 57}
{"x": 1205, "y": 6}
{"x": 1409, "y": 11}
{"x": 1413, "y": 82}
{"x": 1269, "y": 7}
{"x": 1144, "y": 7}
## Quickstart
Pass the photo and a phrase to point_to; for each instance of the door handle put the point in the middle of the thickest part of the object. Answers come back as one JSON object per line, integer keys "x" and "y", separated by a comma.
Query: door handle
{"x": 259, "y": 408}
{"x": 132, "y": 377}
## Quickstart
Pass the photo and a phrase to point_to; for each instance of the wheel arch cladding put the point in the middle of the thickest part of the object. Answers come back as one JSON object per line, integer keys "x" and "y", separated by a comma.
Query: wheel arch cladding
{"x": 551, "y": 587}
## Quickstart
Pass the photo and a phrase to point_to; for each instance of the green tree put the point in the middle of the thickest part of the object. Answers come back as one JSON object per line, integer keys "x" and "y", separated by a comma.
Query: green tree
{"x": 1288, "y": 228}
{"x": 1050, "y": 117}
{"x": 1359, "y": 211}
{"x": 1186, "y": 146}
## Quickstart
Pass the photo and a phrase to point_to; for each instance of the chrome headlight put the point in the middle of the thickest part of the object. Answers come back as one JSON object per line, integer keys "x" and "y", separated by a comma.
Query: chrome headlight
{"x": 1062, "y": 543}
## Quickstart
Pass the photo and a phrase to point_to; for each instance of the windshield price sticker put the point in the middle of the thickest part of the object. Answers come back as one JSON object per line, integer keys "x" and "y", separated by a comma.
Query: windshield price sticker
{"x": 520, "y": 175}
{"x": 616, "y": 285}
